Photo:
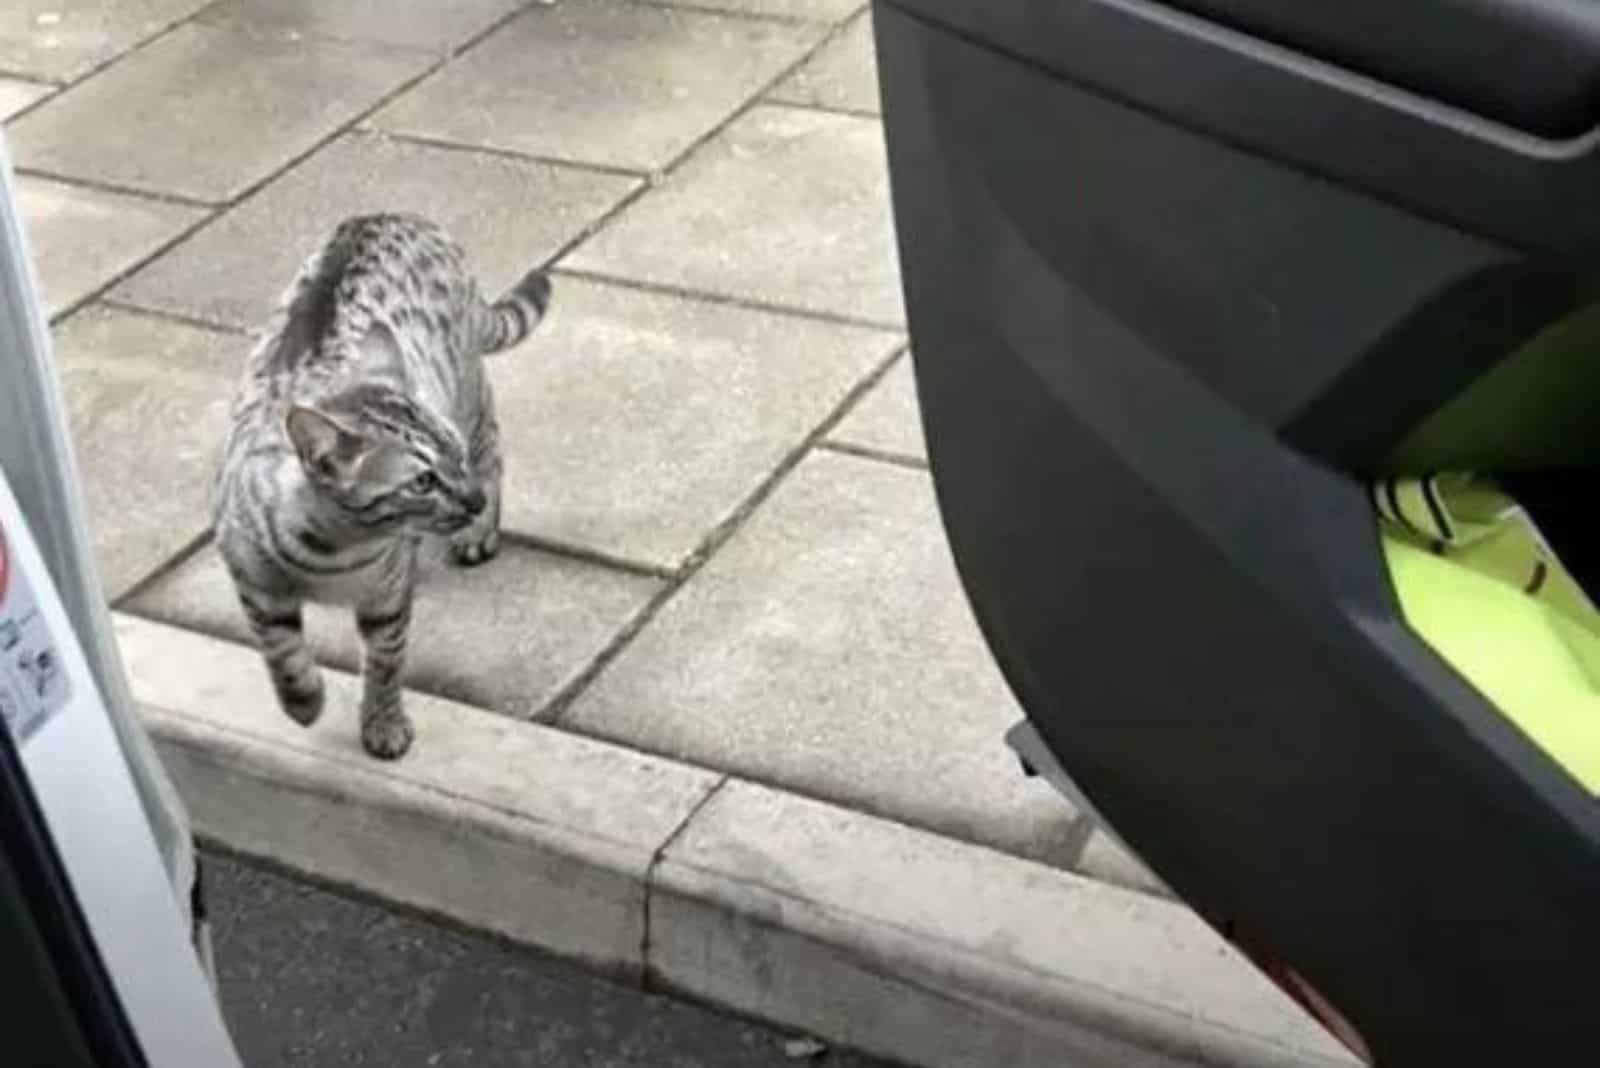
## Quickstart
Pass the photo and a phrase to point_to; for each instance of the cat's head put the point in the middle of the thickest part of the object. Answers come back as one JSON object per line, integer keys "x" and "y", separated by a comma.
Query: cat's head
{"x": 385, "y": 462}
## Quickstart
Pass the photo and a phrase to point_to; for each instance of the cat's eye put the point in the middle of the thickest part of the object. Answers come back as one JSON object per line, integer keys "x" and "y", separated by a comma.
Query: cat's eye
{"x": 426, "y": 482}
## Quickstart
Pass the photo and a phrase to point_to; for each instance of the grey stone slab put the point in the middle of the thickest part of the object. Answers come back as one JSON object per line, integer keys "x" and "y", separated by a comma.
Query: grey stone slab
{"x": 1104, "y": 859}
{"x": 83, "y": 238}
{"x": 887, "y": 419}
{"x": 408, "y": 23}
{"x": 205, "y": 112}
{"x": 508, "y": 214}
{"x": 16, "y": 94}
{"x": 644, "y": 420}
{"x": 530, "y": 833}
{"x": 843, "y": 75}
{"x": 505, "y": 636}
{"x": 785, "y": 206}
{"x": 936, "y": 953}
{"x": 812, "y": 10}
{"x": 60, "y": 40}
{"x": 603, "y": 81}
{"x": 827, "y": 648}
{"x": 148, "y": 403}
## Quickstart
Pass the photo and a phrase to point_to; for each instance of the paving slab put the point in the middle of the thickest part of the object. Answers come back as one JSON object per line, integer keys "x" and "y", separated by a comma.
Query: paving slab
{"x": 506, "y": 636}
{"x": 148, "y": 403}
{"x": 887, "y": 419}
{"x": 785, "y": 206}
{"x": 206, "y": 113}
{"x": 643, "y": 420}
{"x": 16, "y": 94}
{"x": 843, "y": 75}
{"x": 539, "y": 836}
{"x": 429, "y": 24}
{"x": 1104, "y": 859}
{"x": 60, "y": 40}
{"x": 608, "y": 82}
{"x": 81, "y": 239}
{"x": 812, "y": 10}
{"x": 916, "y": 947}
{"x": 508, "y": 214}
{"x": 827, "y": 649}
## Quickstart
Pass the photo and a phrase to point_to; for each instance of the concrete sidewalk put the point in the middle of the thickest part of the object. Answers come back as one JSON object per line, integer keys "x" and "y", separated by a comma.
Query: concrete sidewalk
{"x": 715, "y": 479}
{"x": 722, "y": 544}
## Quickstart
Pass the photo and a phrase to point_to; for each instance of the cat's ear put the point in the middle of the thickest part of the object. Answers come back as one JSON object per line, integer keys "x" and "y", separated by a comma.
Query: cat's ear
{"x": 325, "y": 447}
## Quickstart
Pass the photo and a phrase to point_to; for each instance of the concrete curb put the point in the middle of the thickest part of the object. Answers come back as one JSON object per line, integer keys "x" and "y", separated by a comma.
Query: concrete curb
{"x": 864, "y": 932}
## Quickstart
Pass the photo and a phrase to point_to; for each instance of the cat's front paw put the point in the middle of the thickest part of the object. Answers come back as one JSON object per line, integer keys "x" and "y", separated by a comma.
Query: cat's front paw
{"x": 476, "y": 548}
{"x": 387, "y": 735}
{"x": 302, "y": 700}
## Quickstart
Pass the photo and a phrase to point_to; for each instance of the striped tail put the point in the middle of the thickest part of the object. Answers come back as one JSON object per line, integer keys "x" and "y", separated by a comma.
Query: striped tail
{"x": 511, "y": 318}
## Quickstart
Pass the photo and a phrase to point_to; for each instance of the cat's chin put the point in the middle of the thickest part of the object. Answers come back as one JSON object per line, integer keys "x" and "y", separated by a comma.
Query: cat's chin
{"x": 432, "y": 555}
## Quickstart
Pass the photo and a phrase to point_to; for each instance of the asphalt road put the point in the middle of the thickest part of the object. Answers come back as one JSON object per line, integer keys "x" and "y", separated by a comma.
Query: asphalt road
{"x": 311, "y": 978}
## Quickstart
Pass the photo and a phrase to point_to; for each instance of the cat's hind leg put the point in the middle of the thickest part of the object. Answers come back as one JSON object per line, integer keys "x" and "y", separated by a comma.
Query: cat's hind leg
{"x": 480, "y": 542}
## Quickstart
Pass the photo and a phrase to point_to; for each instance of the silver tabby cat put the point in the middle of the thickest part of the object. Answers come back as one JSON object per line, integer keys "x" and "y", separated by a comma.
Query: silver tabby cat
{"x": 364, "y": 425}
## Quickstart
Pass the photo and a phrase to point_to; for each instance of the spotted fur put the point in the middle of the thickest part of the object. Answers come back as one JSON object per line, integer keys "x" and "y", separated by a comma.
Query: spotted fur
{"x": 363, "y": 427}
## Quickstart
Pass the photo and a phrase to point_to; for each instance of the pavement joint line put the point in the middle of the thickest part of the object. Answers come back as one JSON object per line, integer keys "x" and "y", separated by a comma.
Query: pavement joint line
{"x": 137, "y": 192}
{"x": 645, "y": 980}
{"x": 658, "y": 177}
{"x": 136, "y": 46}
{"x": 53, "y": 90}
{"x": 217, "y": 632}
{"x": 584, "y": 555}
{"x": 187, "y": 552}
{"x": 869, "y": 452}
{"x": 448, "y": 145}
{"x": 166, "y": 315}
{"x": 555, "y": 709}
{"x": 211, "y": 214}
{"x": 928, "y": 949}
{"x": 826, "y": 109}
{"x": 441, "y": 60}
{"x": 128, "y": 272}
{"x": 266, "y": 31}
{"x": 733, "y": 13}
{"x": 1081, "y": 825}
{"x": 595, "y": 225}
{"x": 247, "y": 25}
{"x": 32, "y": 79}
{"x": 792, "y": 310}
{"x": 551, "y": 712}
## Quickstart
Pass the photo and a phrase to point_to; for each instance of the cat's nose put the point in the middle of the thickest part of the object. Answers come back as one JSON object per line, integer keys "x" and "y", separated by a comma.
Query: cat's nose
{"x": 475, "y": 502}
